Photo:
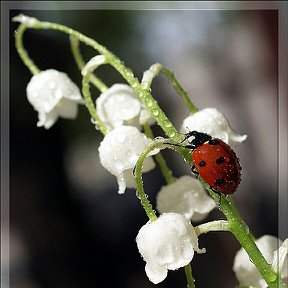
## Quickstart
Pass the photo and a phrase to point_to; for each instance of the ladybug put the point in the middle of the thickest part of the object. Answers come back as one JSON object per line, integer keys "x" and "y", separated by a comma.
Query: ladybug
{"x": 215, "y": 162}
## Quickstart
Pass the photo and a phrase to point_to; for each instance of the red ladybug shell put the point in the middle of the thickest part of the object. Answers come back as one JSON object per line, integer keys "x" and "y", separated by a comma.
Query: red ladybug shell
{"x": 218, "y": 165}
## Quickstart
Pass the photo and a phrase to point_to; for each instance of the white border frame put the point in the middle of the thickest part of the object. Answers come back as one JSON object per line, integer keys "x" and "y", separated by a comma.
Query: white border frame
{"x": 6, "y": 6}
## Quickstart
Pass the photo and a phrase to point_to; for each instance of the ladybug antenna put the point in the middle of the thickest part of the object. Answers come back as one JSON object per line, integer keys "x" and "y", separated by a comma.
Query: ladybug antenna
{"x": 187, "y": 135}
{"x": 199, "y": 138}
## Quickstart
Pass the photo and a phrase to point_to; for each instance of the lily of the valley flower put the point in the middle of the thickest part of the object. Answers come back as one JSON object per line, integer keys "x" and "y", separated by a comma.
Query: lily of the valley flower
{"x": 185, "y": 196}
{"x": 167, "y": 243}
{"x": 119, "y": 152}
{"x": 119, "y": 105}
{"x": 213, "y": 122}
{"x": 52, "y": 94}
{"x": 246, "y": 272}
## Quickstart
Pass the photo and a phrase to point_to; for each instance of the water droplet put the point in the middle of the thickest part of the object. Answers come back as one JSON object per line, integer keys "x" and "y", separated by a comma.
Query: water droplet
{"x": 58, "y": 94}
{"x": 148, "y": 102}
{"x": 272, "y": 277}
{"x": 46, "y": 105}
{"x": 137, "y": 194}
{"x": 120, "y": 138}
{"x": 171, "y": 134}
{"x": 155, "y": 112}
{"x": 167, "y": 124}
{"x": 51, "y": 85}
{"x": 118, "y": 165}
{"x": 247, "y": 230}
{"x": 129, "y": 73}
{"x": 93, "y": 121}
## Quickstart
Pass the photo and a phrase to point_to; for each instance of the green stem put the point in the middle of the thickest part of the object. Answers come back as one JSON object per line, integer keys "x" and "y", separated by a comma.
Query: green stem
{"x": 189, "y": 276}
{"x": 90, "y": 105}
{"x": 159, "y": 143}
{"x": 98, "y": 83}
{"x": 139, "y": 181}
{"x": 22, "y": 52}
{"x": 242, "y": 233}
{"x": 166, "y": 172}
{"x": 157, "y": 68}
{"x": 156, "y": 144}
{"x": 144, "y": 94}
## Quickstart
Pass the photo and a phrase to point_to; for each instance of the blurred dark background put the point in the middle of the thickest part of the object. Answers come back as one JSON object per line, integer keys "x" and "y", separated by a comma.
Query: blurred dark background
{"x": 69, "y": 227}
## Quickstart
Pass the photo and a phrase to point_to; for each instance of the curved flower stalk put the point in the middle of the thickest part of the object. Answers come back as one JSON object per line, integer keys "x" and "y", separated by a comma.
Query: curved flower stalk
{"x": 119, "y": 152}
{"x": 87, "y": 71}
{"x": 167, "y": 243}
{"x": 98, "y": 83}
{"x": 157, "y": 68}
{"x": 144, "y": 94}
{"x": 119, "y": 105}
{"x": 245, "y": 270}
{"x": 52, "y": 94}
{"x": 213, "y": 122}
{"x": 185, "y": 196}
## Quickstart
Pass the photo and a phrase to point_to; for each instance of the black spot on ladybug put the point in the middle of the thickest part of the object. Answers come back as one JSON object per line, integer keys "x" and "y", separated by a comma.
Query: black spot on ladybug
{"x": 219, "y": 181}
{"x": 213, "y": 142}
{"x": 202, "y": 163}
{"x": 220, "y": 160}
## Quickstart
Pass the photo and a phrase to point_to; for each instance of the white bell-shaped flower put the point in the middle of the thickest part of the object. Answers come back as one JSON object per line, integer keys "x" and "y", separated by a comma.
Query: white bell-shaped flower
{"x": 185, "y": 196}
{"x": 245, "y": 270}
{"x": 167, "y": 243}
{"x": 119, "y": 105}
{"x": 213, "y": 122}
{"x": 119, "y": 152}
{"x": 52, "y": 94}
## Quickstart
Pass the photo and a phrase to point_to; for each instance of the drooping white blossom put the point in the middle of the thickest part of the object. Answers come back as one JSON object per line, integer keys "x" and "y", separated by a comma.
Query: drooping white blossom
{"x": 185, "y": 196}
{"x": 245, "y": 270}
{"x": 280, "y": 260}
{"x": 53, "y": 94}
{"x": 213, "y": 122}
{"x": 167, "y": 243}
{"x": 119, "y": 105}
{"x": 119, "y": 152}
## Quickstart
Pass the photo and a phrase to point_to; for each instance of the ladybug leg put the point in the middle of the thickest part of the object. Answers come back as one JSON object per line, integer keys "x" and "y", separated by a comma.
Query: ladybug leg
{"x": 192, "y": 147}
{"x": 194, "y": 171}
{"x": 219, "y": 194}
{"x": 134, "y": 170}
{"x": 187, "y": 135}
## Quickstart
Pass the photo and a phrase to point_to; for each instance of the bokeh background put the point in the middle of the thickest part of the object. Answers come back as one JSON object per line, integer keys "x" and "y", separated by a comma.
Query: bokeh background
{"x": 69, "y": 227}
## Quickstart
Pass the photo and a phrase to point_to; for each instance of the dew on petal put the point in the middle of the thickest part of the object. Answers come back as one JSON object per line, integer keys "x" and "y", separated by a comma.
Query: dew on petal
{"x": 51, "y": 85}
{"x": 120, "y": 138}
{"x": 118, "y": 164}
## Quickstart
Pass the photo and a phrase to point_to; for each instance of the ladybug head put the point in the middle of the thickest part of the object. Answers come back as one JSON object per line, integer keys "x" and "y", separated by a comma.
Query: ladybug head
{"x": 199, "y": 138}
